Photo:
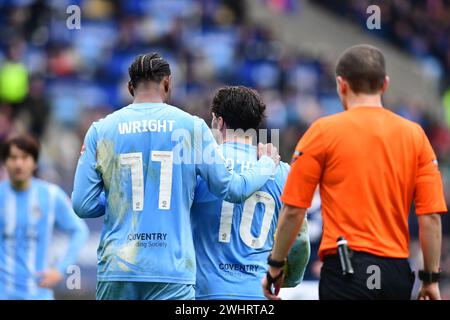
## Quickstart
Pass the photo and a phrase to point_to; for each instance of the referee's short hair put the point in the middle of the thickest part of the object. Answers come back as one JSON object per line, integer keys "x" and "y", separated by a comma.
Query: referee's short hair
{"x": 363, "y": 67}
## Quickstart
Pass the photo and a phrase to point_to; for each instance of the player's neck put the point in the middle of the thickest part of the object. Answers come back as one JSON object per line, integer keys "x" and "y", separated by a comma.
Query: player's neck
{"x": 238, "y": 138}
{"x": 364, "y": 100}
{"x": 21, "y": 185}
{"x": 148, "y": 97}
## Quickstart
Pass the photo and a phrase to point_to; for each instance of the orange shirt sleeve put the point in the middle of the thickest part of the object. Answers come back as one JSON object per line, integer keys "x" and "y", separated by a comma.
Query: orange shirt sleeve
{"x": 306, "y": 168}
{"x": 429, "y": 192}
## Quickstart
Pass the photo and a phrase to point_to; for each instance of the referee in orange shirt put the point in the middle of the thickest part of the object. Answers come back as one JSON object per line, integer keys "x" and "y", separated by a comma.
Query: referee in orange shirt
{"x": 370, "y": 164}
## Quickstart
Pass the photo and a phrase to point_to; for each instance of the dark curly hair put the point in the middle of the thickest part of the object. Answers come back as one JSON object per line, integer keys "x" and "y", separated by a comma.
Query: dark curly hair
{"x": 239, "y": 106}
{"x": 148, "y": 67}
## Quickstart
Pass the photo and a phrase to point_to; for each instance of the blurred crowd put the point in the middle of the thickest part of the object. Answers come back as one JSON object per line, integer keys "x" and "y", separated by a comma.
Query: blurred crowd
{"x": 55, "y": 81}
{"x": 421, "y": 27}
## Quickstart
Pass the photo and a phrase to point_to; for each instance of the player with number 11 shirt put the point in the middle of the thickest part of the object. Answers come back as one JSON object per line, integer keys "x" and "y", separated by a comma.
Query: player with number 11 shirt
{"x": 139, "y": 170}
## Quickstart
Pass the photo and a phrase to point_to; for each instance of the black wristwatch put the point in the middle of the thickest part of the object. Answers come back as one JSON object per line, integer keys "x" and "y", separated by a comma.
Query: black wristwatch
{"x": 429, "y": 277}
{"x": 275, "y": 263}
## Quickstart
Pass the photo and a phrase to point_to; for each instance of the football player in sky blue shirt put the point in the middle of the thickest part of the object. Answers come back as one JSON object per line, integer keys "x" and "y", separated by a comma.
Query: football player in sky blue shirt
{"x": 139, "y": 169}
{"x": 232, "y": 241}
{"x": 30, "y": 209}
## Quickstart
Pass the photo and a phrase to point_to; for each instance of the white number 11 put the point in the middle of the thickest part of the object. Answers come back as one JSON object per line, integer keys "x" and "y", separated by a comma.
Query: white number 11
{"x": 134, "y": 160}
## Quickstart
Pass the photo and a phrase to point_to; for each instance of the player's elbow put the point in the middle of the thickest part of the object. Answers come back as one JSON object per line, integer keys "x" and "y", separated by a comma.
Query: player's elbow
{"x": 235, "y": 198}
{"x": 238, "y": 192}
{"x": 89, "y": 205}
{"x": 80, "y": 206}
{"x": 236, "y": 195}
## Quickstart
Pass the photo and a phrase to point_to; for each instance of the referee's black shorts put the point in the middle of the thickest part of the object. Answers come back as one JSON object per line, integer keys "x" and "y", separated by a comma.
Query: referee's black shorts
{"x": 374, "y": 278}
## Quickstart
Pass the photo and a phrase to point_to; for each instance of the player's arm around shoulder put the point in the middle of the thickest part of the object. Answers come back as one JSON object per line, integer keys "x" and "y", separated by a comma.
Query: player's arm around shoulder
{"x": 222, "y": 181}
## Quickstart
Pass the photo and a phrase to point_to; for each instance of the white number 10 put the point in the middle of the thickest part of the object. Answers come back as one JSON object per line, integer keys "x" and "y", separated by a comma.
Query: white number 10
{"x": 248, "y": 212}
{"x": 134, "y": 160}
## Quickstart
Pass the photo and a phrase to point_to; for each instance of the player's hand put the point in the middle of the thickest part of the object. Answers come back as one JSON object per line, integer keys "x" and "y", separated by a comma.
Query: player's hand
{"x": 269, "y": 150}
{"x": 429, "y": 291}
{"x": 50, "y": 278}
{"x": 278, "y": 275}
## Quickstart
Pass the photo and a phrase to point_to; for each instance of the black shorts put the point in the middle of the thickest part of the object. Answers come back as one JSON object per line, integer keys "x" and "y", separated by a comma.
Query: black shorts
{"x": 374, "y": 278}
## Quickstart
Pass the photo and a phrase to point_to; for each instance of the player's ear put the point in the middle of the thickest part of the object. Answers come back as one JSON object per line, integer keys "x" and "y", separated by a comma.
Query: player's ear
{"x": 220, "y": 123}
{"x": 167, "y": 83}
{"x": 385, "y": 84}
{"x": 130, "y": 88}
{"x": 341, "y": 85}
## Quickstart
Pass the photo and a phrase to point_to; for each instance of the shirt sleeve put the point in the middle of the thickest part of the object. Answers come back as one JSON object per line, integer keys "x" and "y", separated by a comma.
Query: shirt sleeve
{"x": 306, "y": 169}
{"x": 70, "y": 224}
{"x": 88, "y": 197}
{"x": 429, "y": 192}
{"x": 221, "y": 180}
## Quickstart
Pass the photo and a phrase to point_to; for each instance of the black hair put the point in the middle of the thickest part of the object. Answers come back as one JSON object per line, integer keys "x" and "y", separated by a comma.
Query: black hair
{"x": 364, "y": 68}
{"x": 24, "y": 142}
{"x": 148, "y": 67}
{"x": 240, "y": 107}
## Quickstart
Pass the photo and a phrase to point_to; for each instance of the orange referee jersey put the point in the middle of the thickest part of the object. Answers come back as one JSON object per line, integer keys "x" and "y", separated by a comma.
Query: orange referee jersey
{"x": 370, "y": 164}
